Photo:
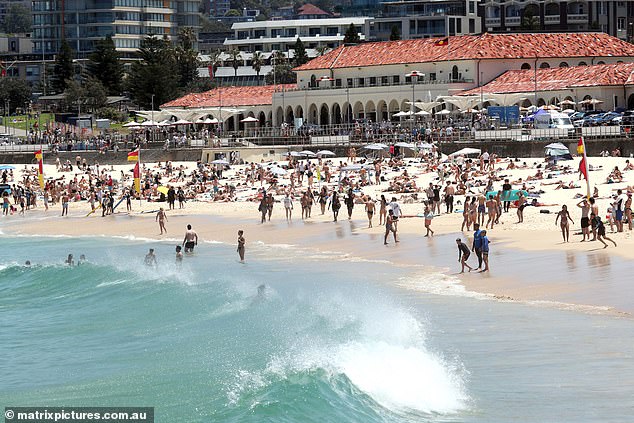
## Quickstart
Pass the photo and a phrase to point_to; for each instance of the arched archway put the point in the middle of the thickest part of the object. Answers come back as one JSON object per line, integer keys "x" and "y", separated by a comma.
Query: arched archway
{"x": 346, "y": 112}
{"x": 299, "y": 112}
{"x": 541, "y": 102}
{"x": 630, "y": 102}
{"x": 358, "y": 111}
{"x": 405, "y": 107}
{"x": 381, "y": 111}
{"x": 393, "y": 109}
{"x": 313, "y": 81}
{"x": 526, "y": 103}
{"x": 370, "y": 111}
{"x": 454, "y": 73}
{"x": 290, "y": 115}
{"x": 336, "y": 115}
{"x": 262, "y": 119}
{"x": 312, "y": 114}
{"x": 552, "y": 9}
{"x": 525, "y": 66}
{"x": 553, "y": 101}
{"x": 279, "y": 116}
{"x": 324, "y": 115}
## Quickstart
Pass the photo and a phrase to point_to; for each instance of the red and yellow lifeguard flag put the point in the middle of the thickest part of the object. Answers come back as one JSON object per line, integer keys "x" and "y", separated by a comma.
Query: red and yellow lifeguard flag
{"x": 441, "y": 42}
{"x": 133, "y": 156}
{"x": 583, "y": 164}
{"x": 137, "y": 178}
{"x": 40, "y": 168}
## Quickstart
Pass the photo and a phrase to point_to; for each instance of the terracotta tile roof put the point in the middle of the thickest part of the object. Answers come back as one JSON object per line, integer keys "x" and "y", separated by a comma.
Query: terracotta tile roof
{"x": 231, "y": 97}
{"x": 311, "y": 9}
{"x": 473, "y": 47}
{"x": 553, "y": 79}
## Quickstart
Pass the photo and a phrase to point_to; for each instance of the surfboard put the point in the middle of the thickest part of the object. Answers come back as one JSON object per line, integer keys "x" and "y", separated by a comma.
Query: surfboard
{"x": 115, "y": 206}
{"x": 513, "y": 195}
{"x": 92, "y": 211}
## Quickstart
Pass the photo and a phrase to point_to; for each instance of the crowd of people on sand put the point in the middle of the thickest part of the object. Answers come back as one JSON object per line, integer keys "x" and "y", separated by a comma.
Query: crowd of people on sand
{"x": 478, "y": 188}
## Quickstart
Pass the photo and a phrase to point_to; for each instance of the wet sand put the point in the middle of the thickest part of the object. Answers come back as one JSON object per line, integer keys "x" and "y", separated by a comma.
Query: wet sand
{"x": 583, "y": 277}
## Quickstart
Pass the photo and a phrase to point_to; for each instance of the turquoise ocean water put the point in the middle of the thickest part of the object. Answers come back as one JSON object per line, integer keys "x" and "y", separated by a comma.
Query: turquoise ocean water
{"x": 332, "y": 339}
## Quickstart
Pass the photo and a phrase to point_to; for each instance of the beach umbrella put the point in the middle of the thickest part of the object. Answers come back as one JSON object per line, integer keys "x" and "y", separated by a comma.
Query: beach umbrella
{"x": 296, "y": 154}
{"x": 567, "y": 102}
{"x": 162, "y": 189}
{"x": 466, "y": 152}
{"x": 374, "y": 147}
{"x": 220, "y": 161}
{"x": 131, "y": 124}
{"x": 423, "y": 113}
{"x": 402, "y": 114}
{"x": 249, "y": 119}
{"x": 568, "y": 111}
{"x": 405, "y": 145}
{"x": 182, "y": 122}
{"x": 325, "y": 153}
{"x": 164, "y": 123}
{"x": 307, "y": 153}
{"x": 149, "y": 123}
{"x": 210, "y": 121}
{"x": 443, "y": 112}
{"x": 7, "y": 167}
{"x": 278, "y": 171}
{"x": 424, "y": 146}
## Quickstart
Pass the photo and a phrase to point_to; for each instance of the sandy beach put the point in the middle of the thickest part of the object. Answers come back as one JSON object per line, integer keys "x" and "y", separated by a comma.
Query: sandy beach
{"x": 529, "y": 261}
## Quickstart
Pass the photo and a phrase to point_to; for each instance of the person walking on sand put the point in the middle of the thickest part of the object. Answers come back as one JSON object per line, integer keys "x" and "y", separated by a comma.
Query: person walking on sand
{"x": 161, "y": 218}
{"x": 429, "y": 215}
{"x": 335, "y": 204}
{"x": 565, "y": 226}
{"x": 485, "y": 251}
{"x": 389, "y": 227}
{"x": 263, "y": 208}
{"x": 382, "y": 210}
{"x": 241, "y": 242}
{"x": 288, "y": 206}
{"x": 369, "y": 209}
{"x": 466, "y": 221}
{"x": 585, "y": 220}
{"x": 477, "y": 243}
{"x": 349, "y": 200}
{"x": 521, "y": 205}
{"x": 601, "y": 230}
{"x": 191, "y": 239}
{"x": 463, "y": 255}
{"x": 65, "y": 201}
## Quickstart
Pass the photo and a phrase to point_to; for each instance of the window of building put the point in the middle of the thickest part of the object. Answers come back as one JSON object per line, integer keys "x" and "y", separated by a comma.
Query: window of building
{"x": 583, "y": 63}
{"x": 544, "y": 65}
{"x": 349, "y": 82}
{"x": 384, "y": 80}
{"x": 396, "y": 79}
{"x": 620, "y": 24}
{"x": 338, "y": 82}
{"x": 471, "y": 7}
{"x": 563, "y": 65}
{"x": 373, "y": 80}
{"x": 471, "y": 26}
{"x": 313, "y": 31}
{"x": 274, "y": 33}
{"x": 432, "y": 76}
{"x": 361, "y": 82}
{"x": 525, "y": 66}
{"x": 332, "y": 30}
{"x": 459, "y": 26}
{"x": 291, "y": 32}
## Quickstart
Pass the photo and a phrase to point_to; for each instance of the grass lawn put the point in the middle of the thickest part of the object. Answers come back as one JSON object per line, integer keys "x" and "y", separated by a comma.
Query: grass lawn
{"x": 20, "y": 121}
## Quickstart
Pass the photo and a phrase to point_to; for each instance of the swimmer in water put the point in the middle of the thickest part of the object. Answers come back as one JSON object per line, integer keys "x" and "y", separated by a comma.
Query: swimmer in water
{"x": 179, "y": 255}
{"x": 241, "y": 242}
{"x": 150, "y": 258}
{"x": 69, "y": 261}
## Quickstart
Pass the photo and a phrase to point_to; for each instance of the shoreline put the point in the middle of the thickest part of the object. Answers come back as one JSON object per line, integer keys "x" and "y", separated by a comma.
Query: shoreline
{"x": 352, "y": 240}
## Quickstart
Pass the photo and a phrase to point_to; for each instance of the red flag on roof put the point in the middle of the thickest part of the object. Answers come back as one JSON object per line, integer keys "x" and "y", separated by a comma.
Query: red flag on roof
{"x": 442, "y": 42}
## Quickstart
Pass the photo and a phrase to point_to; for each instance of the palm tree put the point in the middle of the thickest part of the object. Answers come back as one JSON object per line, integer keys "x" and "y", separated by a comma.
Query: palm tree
{"x": 256, "y": 63}
{"x": 321, "y": 50}
{"x": 236, "y": 57}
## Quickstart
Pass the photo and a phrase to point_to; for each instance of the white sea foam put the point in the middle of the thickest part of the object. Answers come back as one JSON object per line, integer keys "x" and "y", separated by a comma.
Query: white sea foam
{"x": 433, "y": 282}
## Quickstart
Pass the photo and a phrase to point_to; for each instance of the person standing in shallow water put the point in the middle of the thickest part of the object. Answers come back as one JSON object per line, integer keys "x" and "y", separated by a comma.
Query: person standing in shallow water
{"x": 241, "y": 242}
{"x": 564, "y": 215}
{"x": 389, "y": 227}
{"x": 463, "y": 255}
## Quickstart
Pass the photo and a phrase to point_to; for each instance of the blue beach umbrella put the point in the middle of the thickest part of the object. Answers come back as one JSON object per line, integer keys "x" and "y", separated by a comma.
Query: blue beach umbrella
{"x": 7, "y": 167}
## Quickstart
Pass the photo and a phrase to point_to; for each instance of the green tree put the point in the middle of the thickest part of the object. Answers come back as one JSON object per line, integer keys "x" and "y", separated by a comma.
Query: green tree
{"x": 257, "y": 61}
{"x": 17, "y": 19}
{"x": 352, "y": 35}
{"x": 91, "y": 94}
{"x": 154, "y": 74}
{"x": 235, "y": 56}
{"x": 321, "y": 50}
{"x": 187, "y": 57}
{"x": 105, "y": 66}
{"x": 530, "y": 21}
{"x": 395, "y": 35}
{"x": 300, "y": 53}
{"x": 63, "y": 68}
{"x": 282, "y": 72}
{"x": 16, "y": 91}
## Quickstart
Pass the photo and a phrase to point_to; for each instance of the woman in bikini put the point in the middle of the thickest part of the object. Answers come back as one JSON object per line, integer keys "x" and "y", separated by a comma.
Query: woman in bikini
{"x": 465, "y": 215}
{"x": 383, "y": 210}
{"x": 565, "y": 226}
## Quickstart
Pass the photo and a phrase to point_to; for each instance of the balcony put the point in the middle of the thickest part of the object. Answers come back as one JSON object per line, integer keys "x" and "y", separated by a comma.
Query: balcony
{"x": 491, "y": 22}
{"x": 551, "y": 19}
{"x": 513, "y": 21}
{"x": 577, "y": 18}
